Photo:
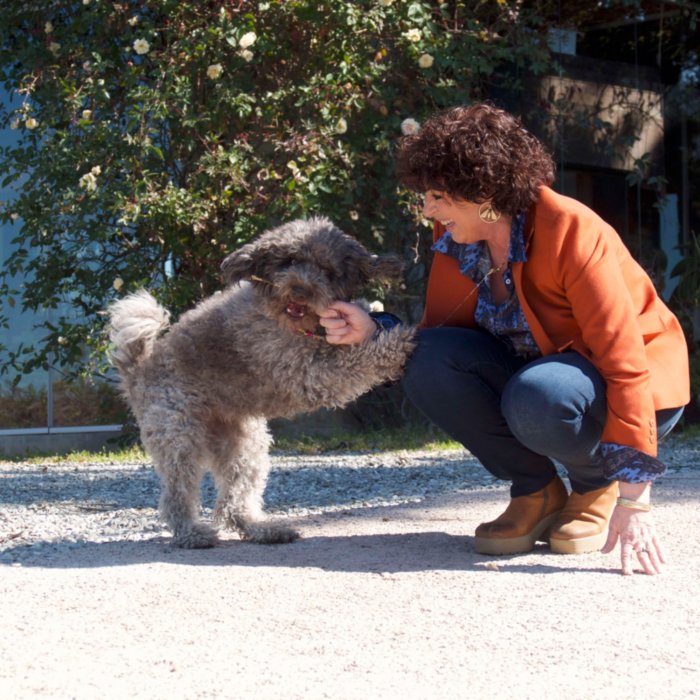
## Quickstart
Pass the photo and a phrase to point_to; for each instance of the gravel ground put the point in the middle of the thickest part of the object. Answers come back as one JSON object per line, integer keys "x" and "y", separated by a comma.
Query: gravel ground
{"x": 49, "y": 508}
{"x": 383, "y": 596}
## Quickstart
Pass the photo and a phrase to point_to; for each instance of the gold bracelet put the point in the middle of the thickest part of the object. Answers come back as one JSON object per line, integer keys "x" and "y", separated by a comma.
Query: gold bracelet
{"x": 633, "y": 505}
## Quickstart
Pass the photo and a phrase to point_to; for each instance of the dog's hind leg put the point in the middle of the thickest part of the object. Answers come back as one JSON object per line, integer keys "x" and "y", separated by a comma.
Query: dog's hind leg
{"x": 175, "y": 458}
{"x": 241, "y": 469}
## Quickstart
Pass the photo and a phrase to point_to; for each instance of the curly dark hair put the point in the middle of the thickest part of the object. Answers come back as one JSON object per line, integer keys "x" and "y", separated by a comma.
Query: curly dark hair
{"x": 476, "y": 153}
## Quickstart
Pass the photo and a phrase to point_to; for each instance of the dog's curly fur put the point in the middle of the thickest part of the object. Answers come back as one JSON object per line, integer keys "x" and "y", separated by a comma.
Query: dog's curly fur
{"x": 203, "y": 389}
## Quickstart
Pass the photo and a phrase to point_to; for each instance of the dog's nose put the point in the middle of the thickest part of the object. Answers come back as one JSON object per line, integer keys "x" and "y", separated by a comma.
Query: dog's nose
{"x": 300, "y": 293}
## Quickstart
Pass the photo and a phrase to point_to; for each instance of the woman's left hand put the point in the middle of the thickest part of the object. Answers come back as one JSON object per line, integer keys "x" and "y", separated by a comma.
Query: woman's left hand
{"x": 638, "y": 541}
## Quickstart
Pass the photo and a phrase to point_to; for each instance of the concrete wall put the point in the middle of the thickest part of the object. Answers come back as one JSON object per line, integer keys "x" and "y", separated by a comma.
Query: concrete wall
{"x": 38, "y": 443}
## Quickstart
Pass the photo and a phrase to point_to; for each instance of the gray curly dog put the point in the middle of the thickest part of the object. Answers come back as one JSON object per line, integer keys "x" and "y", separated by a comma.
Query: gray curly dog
{"x": 203, "y": 389}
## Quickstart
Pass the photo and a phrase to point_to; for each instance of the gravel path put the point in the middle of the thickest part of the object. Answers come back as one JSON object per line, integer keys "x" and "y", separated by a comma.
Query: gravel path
{"x": 49, "y": 508}
{"x": 383, "y": 597}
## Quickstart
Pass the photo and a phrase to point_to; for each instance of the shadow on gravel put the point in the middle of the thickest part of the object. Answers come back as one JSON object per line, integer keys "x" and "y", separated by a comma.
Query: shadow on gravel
{"x": 380, "y": 554}
{"x": 299, "y": 487}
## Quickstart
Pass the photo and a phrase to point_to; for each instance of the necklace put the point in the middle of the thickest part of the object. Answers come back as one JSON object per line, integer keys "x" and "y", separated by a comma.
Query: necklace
{"x": 492, "y": 271}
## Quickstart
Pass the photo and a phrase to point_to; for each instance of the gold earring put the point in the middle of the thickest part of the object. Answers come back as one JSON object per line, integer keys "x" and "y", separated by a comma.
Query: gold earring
{"x": 488, "y": 214}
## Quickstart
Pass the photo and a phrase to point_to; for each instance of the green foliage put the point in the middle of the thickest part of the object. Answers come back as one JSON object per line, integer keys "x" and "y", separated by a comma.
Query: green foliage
{"x": 687, "y": 292}
{"x": 155, "y": 137}
{"x": 376, "y": 440}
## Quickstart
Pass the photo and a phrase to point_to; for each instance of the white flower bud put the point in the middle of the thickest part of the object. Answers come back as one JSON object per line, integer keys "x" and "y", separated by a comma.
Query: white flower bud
{"x": 214, "y": 71}
{"x": 248, "y": 39}
{"x": 141, "y": 46}
{"x": 409, "y": 126}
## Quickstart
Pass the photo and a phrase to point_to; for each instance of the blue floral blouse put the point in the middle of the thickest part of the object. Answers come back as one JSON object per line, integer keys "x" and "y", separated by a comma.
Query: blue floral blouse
{"x": 506, "y": 320}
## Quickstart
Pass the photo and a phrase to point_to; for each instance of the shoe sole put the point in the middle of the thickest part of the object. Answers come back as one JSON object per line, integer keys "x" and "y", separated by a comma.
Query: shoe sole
{"x": 583, "y": 545}
{"x": 515, "y": 545}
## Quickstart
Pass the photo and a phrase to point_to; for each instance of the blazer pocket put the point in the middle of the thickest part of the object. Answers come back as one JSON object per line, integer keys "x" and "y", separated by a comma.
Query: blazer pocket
{"x": 651, "y": 324}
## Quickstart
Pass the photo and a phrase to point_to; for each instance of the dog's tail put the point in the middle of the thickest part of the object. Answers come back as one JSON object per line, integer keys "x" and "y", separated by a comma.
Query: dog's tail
{"x": 135, "y": 323}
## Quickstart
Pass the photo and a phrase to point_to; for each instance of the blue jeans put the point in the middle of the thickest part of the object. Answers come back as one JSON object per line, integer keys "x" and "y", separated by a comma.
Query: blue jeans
{"x": 513, "y": 414}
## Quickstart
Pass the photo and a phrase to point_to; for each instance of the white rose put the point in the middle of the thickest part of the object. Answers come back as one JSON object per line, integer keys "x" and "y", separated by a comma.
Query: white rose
{"x": 214, "y": 71}
{"x": 54, "y": 47}
{"x": 88, "y": 182}
{"x": 48, "y": 27}
{"x": 412, "y": 35}
{"x": 118, "y": 283}
{"x": 247, "y": 55}
{"x": 425, "y": 61}
{"x": 31, "y": 123}
{"x": 141, "y": 46}
{"x": 409, "y": 126}
{"x": 341, "y": 126}
{"x": 134, "y": 21}
{"x": 248, "y": 39}
{"x": 87, "y": 114}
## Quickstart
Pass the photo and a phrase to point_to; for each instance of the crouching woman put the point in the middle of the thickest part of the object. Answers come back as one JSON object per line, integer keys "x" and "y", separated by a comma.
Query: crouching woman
{"x": 542, "y": 341}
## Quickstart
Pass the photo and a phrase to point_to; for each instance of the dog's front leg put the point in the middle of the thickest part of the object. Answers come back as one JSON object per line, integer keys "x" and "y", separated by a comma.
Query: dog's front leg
{"x": 352, "y": 370}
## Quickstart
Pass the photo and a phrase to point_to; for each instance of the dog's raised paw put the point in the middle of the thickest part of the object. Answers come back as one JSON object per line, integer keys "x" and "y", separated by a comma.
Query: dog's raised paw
{"x": 196, "y": 536}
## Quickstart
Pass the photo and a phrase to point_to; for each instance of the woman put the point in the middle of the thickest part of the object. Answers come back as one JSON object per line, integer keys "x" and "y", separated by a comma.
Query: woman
{"x": 542, "y": 340}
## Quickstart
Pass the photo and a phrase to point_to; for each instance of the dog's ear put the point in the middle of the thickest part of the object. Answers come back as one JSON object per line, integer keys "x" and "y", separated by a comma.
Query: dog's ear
{"x": 240, "y": 265}
{"x": 383, "y": 267}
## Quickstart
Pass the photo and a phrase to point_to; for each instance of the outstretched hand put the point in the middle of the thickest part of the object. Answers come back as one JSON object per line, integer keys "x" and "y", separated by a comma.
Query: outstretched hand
{"x": 346, "y": 324}
{"x": 635, "y": 531}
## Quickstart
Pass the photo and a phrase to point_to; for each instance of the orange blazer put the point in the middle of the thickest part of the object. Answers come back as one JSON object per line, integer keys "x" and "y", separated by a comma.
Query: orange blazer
{"x": 580, "y": 289}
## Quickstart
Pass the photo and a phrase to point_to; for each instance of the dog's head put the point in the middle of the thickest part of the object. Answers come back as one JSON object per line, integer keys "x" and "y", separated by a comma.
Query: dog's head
{"x": 301, "y": 267}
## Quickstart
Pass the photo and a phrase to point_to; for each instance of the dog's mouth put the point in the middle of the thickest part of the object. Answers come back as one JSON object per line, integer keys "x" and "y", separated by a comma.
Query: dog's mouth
{"x": 296, "y": 311}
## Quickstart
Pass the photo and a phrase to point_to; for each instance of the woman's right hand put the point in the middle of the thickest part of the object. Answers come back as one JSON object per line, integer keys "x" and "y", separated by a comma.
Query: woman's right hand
{"x": 346, "y": 324}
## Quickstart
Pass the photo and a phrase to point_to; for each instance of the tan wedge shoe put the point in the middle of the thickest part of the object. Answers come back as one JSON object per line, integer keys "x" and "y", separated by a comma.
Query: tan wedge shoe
{"x": 583, "y": 524}
{"x": 524, "y": 521}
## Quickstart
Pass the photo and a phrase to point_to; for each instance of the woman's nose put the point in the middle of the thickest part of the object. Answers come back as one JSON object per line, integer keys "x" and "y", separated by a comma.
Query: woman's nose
{"x": 428, "y": 208}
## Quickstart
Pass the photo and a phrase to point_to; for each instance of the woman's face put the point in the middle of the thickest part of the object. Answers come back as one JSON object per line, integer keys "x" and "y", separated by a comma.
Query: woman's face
{"x": 459, "y": 217}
